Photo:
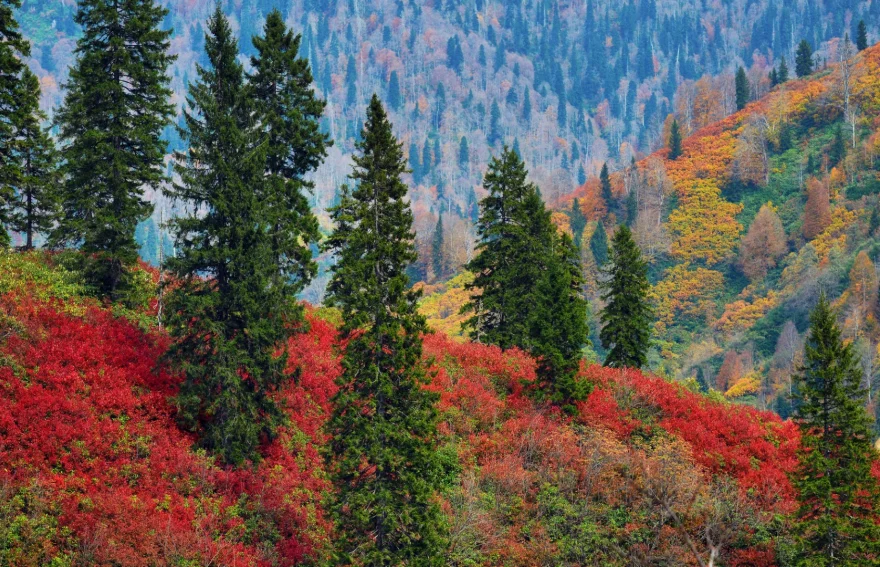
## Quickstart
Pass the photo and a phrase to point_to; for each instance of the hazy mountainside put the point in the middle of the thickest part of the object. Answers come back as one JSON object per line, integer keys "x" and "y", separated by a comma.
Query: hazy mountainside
{"x": 95, "y": 470}
{"x": 762, "y": 212}
{"x": 570, "y": 84}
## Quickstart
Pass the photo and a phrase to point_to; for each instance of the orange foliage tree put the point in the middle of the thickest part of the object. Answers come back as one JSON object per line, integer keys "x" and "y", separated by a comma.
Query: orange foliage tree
{"x": 763, "y": 245}
{"x": 817, "y": 213}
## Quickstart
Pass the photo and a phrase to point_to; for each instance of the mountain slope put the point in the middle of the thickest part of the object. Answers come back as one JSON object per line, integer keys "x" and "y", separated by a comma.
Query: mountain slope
{"x": 571, "y": 83}
{"x": 94, "y": 469}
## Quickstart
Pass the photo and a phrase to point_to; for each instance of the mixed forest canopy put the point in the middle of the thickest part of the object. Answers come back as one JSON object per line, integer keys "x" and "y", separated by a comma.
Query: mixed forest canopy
{"x": 446, "y": 404}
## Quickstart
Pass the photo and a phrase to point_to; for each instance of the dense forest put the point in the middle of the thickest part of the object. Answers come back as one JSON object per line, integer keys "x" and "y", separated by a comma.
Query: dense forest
{"x": 473, "y": 387}
{"x": 462, "y": 78}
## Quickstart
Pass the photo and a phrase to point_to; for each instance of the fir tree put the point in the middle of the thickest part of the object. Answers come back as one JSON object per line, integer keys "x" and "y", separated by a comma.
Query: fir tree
{"x": 527, "y": 106}
{"x": 394, "y": 98}
{"x": 774, "y": 77}
{"x": 494, "y": 124}
{"x": 464, "y": 154}
{"x": 12, "y": 47}
{"x": 117, "y": 104}
{"x": 674, "y": 141}
{"x": 415, "y": 164}
{"x": 632, "y": 208}
{"x": 381, "y": 453}
{"x": 437, "y": 260}
{"x": 627, "y": 317}
{"x": 837, "y": 151}
{"x": 515, "y": 238}
{"x": 578, "y": 222}
{"x": 605, "y": 186}
{"x": 782, "y": 73}
{"x": 803, "y": 59}
{"x": 862, "y": 36}
{"x": 290, "y": 116}
{"x": 838, "y": 496}
{"x": 558, "y": 324}
{"x": 743, "y": 92}
{"x": 35, "y": 205}
{"x": 599, "y": 245}
{"x": 229, "y": 313}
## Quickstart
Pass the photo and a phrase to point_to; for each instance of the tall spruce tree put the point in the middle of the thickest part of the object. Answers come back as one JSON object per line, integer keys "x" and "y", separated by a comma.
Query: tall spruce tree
{"x": 13, "y": 46}
{"x": 111, "y": 122}
{"x": 381, "y": 454}
{"x": 289, "y": 113}
{"x": 558, "y": 324}
{"x": 35, "y": 172}
{"x": 803, "y": 61}
{"x": 674, "y": 141}
{"x": 836, "y": 521}
{"x": 605, "y": 186}
{"x": 743, "y": 92}
{"x": 862, "y": 36}
{"x": 438, "y": 263}
{"x": 578, "y": 222}
{"x": 627, "y": 317}
{"x": 599, "y": 245}
{"x": 229, "y": 312}
{"x": 782, "y": 73}
{"x": 515, "y": 238}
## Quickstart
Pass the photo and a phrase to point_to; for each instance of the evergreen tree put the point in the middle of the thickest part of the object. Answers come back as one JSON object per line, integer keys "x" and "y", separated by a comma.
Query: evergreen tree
{"x": 12, "y": 47}
{"x": 527, "y": 106}
{"x": 774, "y": 77}
{"x": 627, "y": 317}
{"x": 578, "y": 222}
{"x": 515, "y": 238}
{"x": 415, "y": 164}
{"x": 674, "y": 141}
{"x": 229, "y": 313}
{"x": 35, "y": 205}
{"x": 290, "y": 115}
{"x": 117, "y": 104}
{"x": 437, "y": 260}
{"x": 782, "y": 73}
{"x": 464, "y": 154}
{"x": 605, "y": 186}
{"x": 862, "y": 36}
{"x": 427, "y": 161}
{"x": 701, "y": 380}
{"x": 838, "y": 496}
{"x": 394, "y": 98}
{"x": 837, "y": 151}
{"x": 599, "y": 245}
{"x": 494, "y": 124}
{"x": 381, "y": 454}
{"x": 558, "y": 324}
{"x": 803, "y": 59}
{"x": 743, "y": 92}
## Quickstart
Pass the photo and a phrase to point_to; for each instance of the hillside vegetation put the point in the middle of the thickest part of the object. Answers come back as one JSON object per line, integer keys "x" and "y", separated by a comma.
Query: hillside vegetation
{"x": 94, "y": 469}
{"x": 761, "y": 212}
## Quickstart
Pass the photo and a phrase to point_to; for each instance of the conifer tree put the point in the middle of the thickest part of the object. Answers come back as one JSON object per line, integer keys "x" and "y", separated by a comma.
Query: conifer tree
{"x": 35, "y": 205}
{"x": 674, "y": 141}
{"x": 605, "y": 185}
{"x": 494, "y": 124}
{"x": 111, "y": 122}
{"x": 627, "y": 317}
{"x": 836, "y": 521}
{"x": 862, "y": 36}
{"x": 578, "y": 222}
{"x": 599, "y": 245}
{"x": 774, "y": 77}
{"x": 228, "y": 316}
{"x": 803, "y": 59}
{"x": 782, "y": 73}
{"x": 558, "y": 324}
{"x": 464, "y": 154}
{"x": 515, "y": 238}
{"x": 289, "y": 114}
{"x": 381, "y": 453}
{"x": 12, "y": 47}
{"x": 743, "y": 92}
{"x": 437, "y": 261}
{"x": 394, "y": 98}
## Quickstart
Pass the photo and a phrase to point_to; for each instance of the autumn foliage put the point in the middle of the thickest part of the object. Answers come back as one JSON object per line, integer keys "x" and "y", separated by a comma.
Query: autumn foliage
{"x": 88, "y": 438}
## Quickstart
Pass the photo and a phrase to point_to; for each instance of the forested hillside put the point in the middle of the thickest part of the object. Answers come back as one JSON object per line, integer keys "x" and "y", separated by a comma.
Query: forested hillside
{"x": 571, "y": 85}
